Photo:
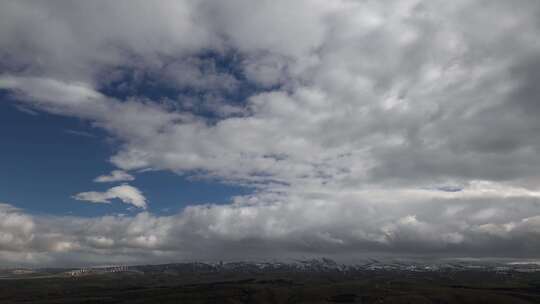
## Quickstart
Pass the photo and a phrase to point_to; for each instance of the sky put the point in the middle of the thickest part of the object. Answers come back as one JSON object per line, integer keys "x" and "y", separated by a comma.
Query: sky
{"x": 135, "y": 132}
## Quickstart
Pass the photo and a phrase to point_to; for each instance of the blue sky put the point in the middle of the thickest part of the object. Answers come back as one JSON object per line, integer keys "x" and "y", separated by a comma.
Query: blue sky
{"x": 47, "y": 158}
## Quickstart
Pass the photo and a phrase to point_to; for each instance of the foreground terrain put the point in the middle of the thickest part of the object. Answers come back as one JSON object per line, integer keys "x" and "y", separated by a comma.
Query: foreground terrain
{"x": 322, "y": 282}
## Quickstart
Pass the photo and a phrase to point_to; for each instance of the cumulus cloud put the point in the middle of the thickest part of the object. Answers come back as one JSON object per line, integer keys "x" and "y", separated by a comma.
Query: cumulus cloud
{"x": 115, "y": 176}
{"x": 396, "y": 126}
{"x": 125, "y": 193}
{"x": 16, "y": 229}
{"x": 350, "y": 226}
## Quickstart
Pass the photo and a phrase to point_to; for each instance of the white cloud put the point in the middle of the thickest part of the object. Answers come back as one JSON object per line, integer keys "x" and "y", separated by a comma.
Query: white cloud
{"x": 115, "y": 176}
{"x": 16, "y": 229}
{"x": 379, "y": 119}
{"x": 370, "y": 109}
{"x": 54, "y": 31}
{"x": 126, "y": 193}
{"x": 344, "y": 227}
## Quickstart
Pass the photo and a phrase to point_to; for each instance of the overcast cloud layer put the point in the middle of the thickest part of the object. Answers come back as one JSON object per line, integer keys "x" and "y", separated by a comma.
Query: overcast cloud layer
{"x": 396, "y": 127}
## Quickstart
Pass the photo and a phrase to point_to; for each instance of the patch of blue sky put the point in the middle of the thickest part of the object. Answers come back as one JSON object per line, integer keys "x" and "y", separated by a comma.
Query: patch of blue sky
{"x": 45, "y": 159}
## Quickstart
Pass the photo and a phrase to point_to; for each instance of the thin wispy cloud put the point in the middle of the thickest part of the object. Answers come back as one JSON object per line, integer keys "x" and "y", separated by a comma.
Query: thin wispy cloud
{"x": 80, "y": 133}
{"x": 114, "y": 176}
